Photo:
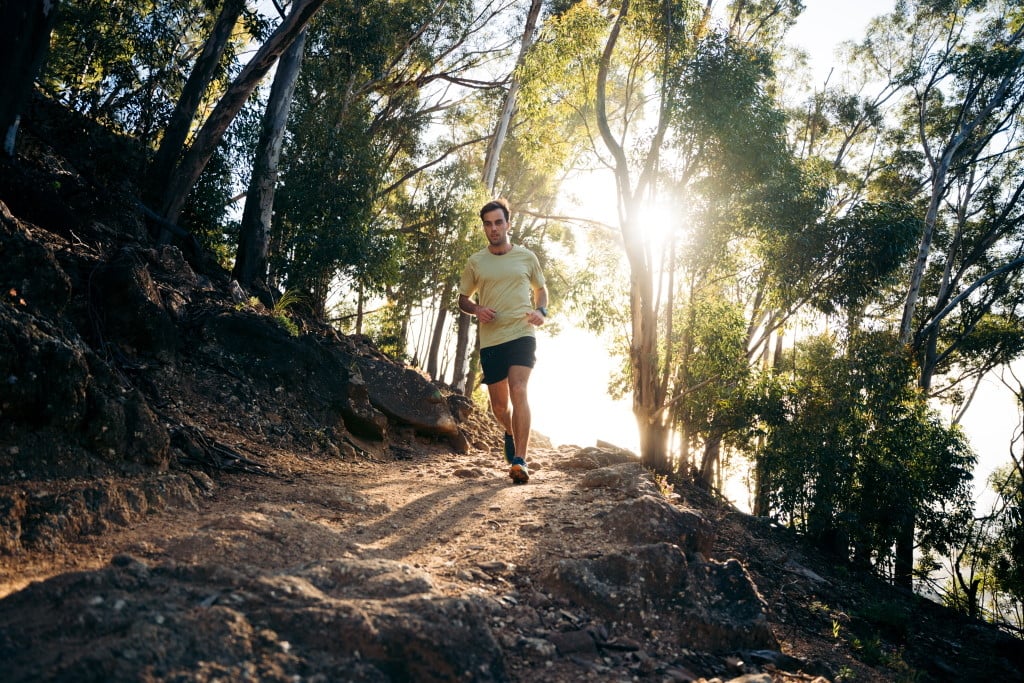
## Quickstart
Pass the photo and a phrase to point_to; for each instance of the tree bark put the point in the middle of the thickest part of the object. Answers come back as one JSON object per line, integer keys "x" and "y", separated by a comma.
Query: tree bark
{"x": 438, "y": 333}
{"x": 498, "y": 140}
{"x": 462, "y": 328}
{"x": 903, "y": 570}
{"x": 25, "y": 27}
{"x": 187, "y": 172}
{"x": 173, "y": 141}
{"x": 254, "y": 235}
{"x": 643, "y": 350}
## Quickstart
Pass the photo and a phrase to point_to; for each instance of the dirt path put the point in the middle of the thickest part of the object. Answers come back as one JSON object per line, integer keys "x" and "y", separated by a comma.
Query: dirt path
{"x": 448, "y": 526}
{"x": 445, "y": 514}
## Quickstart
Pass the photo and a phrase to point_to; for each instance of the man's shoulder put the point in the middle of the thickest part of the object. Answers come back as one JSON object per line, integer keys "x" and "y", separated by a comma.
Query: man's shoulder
{"x": 523, "y": 251}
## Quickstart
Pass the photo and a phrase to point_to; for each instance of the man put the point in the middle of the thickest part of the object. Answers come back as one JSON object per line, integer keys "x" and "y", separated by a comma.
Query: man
{"x": 512, "y": 301}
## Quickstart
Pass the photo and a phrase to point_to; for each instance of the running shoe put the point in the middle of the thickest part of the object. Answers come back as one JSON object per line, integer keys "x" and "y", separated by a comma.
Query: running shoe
{"x": 510, "y": 449}
{"x": 518, "y": 471}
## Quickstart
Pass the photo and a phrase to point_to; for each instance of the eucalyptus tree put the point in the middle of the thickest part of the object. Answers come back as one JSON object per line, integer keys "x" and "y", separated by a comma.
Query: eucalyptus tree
{"x": 179, "y": 124}
{"x": 126, "y": 63}
{"x": 684, "y": 116}
{"x": 374, "y": 78}
{"x": 24, "y": 40}
{"x": 956, "y": 146}
{"x": 254, "y": 231}
{"x": 437, "y": 222}
{"x": 188, "y": 169}
{"x": 856, "y": 454}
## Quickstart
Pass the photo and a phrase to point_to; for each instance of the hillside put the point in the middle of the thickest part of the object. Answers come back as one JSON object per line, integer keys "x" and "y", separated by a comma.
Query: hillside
{"x": 188, "y": 491}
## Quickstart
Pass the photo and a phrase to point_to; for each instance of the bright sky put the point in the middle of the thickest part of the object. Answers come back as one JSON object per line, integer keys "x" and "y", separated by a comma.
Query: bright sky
{"x": 568, "y": 389}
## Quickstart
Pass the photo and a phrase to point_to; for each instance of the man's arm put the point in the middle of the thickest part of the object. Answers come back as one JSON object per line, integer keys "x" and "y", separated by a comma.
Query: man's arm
{"x": 540, "y": 300}
{"x": 482, "y": 313}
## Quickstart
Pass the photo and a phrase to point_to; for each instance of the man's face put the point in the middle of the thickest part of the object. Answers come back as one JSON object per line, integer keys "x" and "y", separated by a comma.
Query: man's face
{"x": 496, "y": 227}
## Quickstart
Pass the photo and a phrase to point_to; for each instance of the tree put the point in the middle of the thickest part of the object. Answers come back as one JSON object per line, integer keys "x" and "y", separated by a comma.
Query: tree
{"x": 178, "y": 126}
{"x": 24, "y": 40}
{"x": 963, "y": 65}
{"x": 856, "y": 453}
{"x": 193, "y": 162}
{"x": 254, "y": 232}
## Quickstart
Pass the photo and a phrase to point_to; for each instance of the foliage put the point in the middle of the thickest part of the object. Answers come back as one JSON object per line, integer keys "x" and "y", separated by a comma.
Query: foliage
{"x": 124, "y": 62}
{"x": 1005, "y": 554}
{"x": 347, "y": 143}
{"x": 857, "y": 452}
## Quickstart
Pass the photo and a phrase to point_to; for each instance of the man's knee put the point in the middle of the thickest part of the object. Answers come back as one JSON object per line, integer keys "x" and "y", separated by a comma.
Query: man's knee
{"x": 500, "y": 410}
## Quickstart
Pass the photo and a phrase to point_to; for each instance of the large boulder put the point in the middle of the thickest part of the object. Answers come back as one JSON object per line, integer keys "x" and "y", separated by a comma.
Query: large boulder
{"x": 406, "y": 396}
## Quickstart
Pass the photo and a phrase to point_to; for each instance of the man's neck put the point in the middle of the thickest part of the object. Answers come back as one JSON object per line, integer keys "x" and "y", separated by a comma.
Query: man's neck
{"x": 500, "y": 249}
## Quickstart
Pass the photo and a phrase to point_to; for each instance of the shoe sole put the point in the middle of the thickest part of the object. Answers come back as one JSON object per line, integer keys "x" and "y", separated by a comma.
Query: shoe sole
{"x": 519, "y": 474}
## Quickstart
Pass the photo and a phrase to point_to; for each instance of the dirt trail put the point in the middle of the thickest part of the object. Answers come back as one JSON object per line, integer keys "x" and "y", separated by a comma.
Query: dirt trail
{"x": 445, "y": 514}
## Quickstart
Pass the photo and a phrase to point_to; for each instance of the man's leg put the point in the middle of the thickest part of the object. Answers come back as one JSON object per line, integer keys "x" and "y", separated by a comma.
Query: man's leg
{"x": 518, "y": 378}
{"x": 499, "y": 395}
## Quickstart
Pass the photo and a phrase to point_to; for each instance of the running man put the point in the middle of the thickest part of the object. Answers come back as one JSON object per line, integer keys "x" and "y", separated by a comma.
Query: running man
{"x": 512, "y": 300}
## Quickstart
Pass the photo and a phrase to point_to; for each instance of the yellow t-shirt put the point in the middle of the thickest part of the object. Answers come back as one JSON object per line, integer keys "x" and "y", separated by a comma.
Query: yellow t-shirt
{"x": 506, "y": 284}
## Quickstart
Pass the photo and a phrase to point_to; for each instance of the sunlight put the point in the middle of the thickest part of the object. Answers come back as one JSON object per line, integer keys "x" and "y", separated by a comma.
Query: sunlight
{"x": 569, "y": 400}
{"x": 658, "y": 221}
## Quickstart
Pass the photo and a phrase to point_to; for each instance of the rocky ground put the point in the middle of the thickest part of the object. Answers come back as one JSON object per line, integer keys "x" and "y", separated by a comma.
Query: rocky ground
{"x": 190, "y": 490}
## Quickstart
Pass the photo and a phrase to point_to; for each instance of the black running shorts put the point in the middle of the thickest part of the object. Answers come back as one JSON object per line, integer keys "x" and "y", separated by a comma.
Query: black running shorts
{"x": 496, "y": 360}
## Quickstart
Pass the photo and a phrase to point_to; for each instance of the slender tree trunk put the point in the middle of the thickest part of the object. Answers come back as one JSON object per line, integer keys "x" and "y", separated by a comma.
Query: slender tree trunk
{"x": 474, "y": 367}
{"x": 438, "y": 334}
{"x": 187, "y": 172}
{"x": 498, "y": 140}
{"x": 359, "y": 311}
{"x": 180, "y": 123}
{"x": 462, "y": 329}
{"x": 712, "y": 454}
{"x": 25, "y": 27}
{"x": 254, "y": 237}
{"x": 903, "y": 574}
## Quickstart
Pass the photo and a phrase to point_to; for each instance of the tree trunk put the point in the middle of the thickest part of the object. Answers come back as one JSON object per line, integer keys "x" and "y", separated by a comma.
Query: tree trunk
{"x": 186, "y": 173}
{"x": 438, "y": 333}
{"x": 474, "y": 367}
{"x": 712, "y": 454}
{"x": 180, "y": 123}
{"x": 463, "y": 328}
{"x": 498, "y": 140}
{"x": 903, "y": 573}
{"x": 643, "y": 348}
{"x": 25, "y": 27}
{"x": 254, "y": 236}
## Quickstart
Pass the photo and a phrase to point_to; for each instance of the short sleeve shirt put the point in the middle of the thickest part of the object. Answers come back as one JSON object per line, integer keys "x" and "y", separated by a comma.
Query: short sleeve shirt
{"x": 506, "y": 284}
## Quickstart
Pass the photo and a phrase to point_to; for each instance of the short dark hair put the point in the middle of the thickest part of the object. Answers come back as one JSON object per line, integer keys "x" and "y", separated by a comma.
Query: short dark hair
{"x": 499, "y": 203}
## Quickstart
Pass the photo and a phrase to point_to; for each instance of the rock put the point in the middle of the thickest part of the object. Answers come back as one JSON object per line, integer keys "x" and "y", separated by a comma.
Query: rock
{"x": 650, "y": 519}
{"x": 715, "y": 605}
{"x": 131, "y": 308}
{"x": 573, "y": 642}
{"x": 405, "y": 395}
{"x": 237, "y": 620}
{"x": 31, "y": 278}
{"x": 368, "y": 579}
{"x": 592, "y": 458}
{"x": 628, "y": 478}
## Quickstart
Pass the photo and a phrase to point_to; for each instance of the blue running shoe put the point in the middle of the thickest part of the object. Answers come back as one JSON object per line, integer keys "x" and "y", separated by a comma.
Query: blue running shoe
{"x": 518, "y": 471}
{"x": 510, "y": 449}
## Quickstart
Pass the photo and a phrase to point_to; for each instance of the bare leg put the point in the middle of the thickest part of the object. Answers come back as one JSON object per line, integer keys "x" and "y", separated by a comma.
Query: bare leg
{"x": 500, "y": 406}
{"x": 518, "y": 377}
